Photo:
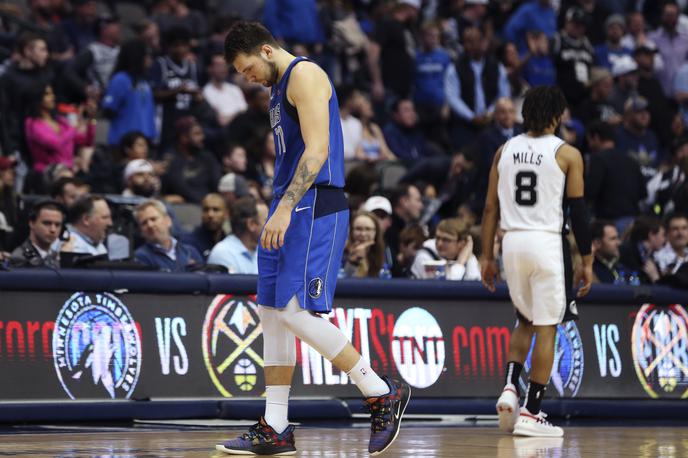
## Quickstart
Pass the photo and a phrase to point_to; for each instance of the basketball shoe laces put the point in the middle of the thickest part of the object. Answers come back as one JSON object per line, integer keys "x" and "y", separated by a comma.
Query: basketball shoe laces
{"x": 541, "y": 418}
{"x": 257, "y": 432}
{"x": 380, "y": 413}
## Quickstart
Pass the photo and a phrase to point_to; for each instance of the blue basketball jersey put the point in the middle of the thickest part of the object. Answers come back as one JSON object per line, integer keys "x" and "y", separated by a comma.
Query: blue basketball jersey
{"x": 289, "y": 145}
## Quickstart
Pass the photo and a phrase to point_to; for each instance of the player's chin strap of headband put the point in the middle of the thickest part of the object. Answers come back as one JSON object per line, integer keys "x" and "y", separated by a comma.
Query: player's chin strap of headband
{"x": 580, "y": 225}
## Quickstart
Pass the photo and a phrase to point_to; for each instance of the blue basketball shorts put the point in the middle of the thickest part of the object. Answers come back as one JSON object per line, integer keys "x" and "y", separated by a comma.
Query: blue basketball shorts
{"x": 306, "y": 266}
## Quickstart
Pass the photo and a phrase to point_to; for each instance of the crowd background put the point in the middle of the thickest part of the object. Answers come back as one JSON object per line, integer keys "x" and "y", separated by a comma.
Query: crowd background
{"x": 126, "y": 137}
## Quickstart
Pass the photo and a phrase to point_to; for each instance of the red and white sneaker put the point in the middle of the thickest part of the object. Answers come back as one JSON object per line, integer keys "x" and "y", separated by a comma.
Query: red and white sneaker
{"x": 535, "y": 425}
{"x": 507, "y": 408}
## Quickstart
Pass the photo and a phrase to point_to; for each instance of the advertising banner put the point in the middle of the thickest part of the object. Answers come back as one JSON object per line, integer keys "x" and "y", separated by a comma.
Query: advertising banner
{"x": 57, "y": 345}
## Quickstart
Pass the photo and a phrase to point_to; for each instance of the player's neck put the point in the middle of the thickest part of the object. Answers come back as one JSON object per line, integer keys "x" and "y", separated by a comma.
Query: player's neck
{"x": 283, "y": 59}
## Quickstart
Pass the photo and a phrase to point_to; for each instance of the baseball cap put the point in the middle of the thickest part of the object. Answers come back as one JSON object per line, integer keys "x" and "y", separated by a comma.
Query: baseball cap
{"x": 598, "y": 74}
{"x": 378, "y": 203}
{"x": 232, "y": 182}
{"x": 635, "y": 103}
{"x": 575, "y": 14}
{"x": 624, "y": 65}
{"x": 413, "y": 3}
{"x": 7, "y": 163}
{"x": 615, "y": 19}
{"x": 137, "y": 166}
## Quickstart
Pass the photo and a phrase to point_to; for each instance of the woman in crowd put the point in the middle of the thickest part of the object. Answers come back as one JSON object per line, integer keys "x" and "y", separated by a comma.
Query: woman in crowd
{"x": 373, "y": 147}
{"x": 364, "y": 254}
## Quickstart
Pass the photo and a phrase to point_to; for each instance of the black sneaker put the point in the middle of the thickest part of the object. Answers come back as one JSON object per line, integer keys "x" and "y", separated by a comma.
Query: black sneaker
{"x": 261, "y": 439}
{"x": 385, "y": 415}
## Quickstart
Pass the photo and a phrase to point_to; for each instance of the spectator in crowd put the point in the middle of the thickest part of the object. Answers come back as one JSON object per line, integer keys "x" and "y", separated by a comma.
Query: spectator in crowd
{"x": 238, "y": 251}
{"x": 226, "y": 99}
{"x": 90, "y": 219}
{"x": 672, "y": 43}
{"x": 625, "y": 73}
{"x": 410, "y": 242}
{"x": 407, "y": 207}
{"x": 614, "y": 186}
{"x": 88, "y": 74}
{"x": 161, "y": 249}
{"x": 594, "y": 15}
{"x": 675, "y": 252}
{"x": 598, "y": 107}
{"x": 140, "y": 179}
{"x": 635, "y": 138}
{"x": 45, "y": 16}
{"x": 453, "y": 244}
{"x": 8, "y": 197}
{"x": 128, "y": 101}
{"x": 211, "y": 231}
{"x": 473, "y": 86}
{"x": 234, "y": 159}
{"x": 432, "y": 61}
{"x": 665, "y": 188}
{"x": 381, "y": 207}
{"x": 636, "y": 33}
{"x": 30, "y": 70}
{"x": 364, "y": 254}
{"x": 265, "y": 166}
{"x": 646, "y": 238}
{"x": 352, "y": 129}
{"x": 149, "y": 32}
{"x": 605, "y": 249}
{"x": 403, "y": 135}
{"x": 193, "y": 171}
{"x": 135, "y": 145}
{"x": 45, "y": 226}
{"x": 294, "y": 21}
{"x": 66, "y": 191}
{"x": 249, "y": 126}
{"x": 537, "y": 64}
{"x": 176, "y": 13}
{"x": 607, "y": 53}
{"x": 175, "y": 81}
{"x": 650, "y": 88}
{"x": 532, "y": 15}
{"x": 51, "y": 139}
{"x": 80, "y": 29}
{"x": 372, "y": 148}
{"x": 232, "y": 186}
{"x": 574, "y": 56}
{"x": 391, "y": 52}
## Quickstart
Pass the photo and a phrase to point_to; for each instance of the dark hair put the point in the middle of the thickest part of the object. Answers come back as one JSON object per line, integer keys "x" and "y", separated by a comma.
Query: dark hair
{"x": 177, "y": 34}
{"x": 542, "y": 106}
{"x": 245, "y": 38}
{"x": 45, "y": 205}
{"x": 128, "y": 140}
{"x": 597, "y": 228}
{"x": 242, "y": 209}
{"x": 672, "y": 216}
{"x": 643, "y": 226}
{"x": 25, "y": 39}
{"x": 33, "y": 99}
{"x": 57, "y": 189}
{"x": 601, "y": 130}
{"x": 132, "y": 59}
{"x": 83, "y": 206}
{"x": 412, "y": 234}
{"x": 397, "y": 103}
{"x": 345, "y": 92}
{"x": 401, "y": 190}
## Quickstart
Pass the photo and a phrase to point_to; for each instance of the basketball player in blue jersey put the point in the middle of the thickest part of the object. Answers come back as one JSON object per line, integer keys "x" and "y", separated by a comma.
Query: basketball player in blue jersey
{"x": 302, "y": 243}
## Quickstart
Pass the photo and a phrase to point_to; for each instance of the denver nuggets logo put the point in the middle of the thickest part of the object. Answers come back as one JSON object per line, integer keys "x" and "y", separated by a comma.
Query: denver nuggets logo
{"x": 96, "y": 347}
{"x": 567, "y": 370}
{"x": 660, "y": 356}
{"x": 231, "y": 331}
{"x": 315, "y": 288}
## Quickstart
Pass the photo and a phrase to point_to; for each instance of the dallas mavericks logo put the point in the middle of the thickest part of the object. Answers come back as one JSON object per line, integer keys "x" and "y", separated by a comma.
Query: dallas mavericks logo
{"x": 567, "y": 370}
{"x": 660, "y": 353}
{"x": 231, "y": 332}
{"x": 96, "y": 347}
{"x": 315, "y": 288}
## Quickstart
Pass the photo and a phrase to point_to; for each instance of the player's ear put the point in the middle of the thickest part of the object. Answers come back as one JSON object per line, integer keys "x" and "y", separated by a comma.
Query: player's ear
{"x": 266, "y": 51}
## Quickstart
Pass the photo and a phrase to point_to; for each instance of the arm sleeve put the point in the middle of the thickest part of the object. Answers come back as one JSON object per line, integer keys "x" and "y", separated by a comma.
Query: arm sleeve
{"x": 115, "y": 94}
{"x": 580, "y": 225}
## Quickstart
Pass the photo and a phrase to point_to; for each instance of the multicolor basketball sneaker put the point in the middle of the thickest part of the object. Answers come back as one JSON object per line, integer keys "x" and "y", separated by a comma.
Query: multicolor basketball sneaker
{"x": 261, "y": 439}
{"x": 385, "y": 415}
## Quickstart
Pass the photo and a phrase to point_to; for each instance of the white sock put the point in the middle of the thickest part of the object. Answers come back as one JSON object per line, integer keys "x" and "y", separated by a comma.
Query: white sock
{"x": 277, "y": 407}
{"x": 367, "y": 380}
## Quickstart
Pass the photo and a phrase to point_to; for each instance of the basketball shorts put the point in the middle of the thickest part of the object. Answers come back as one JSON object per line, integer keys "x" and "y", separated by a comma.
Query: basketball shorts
{"x": 539, "y": 275}
{"x": 307, "y": 265}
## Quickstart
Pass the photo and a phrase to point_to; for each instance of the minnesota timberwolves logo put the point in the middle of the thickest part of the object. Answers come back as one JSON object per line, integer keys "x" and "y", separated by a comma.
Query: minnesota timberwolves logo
{"x": 96, "y": 347}
{"x": 567, "y": 370}
{"x": 660, "y": 353}
{"x": 231, "y": 335}
{"x": 315, "y": 288}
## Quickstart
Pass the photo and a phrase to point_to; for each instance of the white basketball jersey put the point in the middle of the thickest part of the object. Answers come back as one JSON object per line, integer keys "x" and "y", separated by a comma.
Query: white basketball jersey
{"x": 531, "y": 184}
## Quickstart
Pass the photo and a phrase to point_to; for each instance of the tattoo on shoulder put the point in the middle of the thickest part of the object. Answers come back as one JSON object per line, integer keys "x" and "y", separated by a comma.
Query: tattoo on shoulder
{"x": 306, "y": 173}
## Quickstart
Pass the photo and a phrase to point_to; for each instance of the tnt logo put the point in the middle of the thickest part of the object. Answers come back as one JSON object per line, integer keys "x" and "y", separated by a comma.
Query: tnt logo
{"x": 418, "y": 347}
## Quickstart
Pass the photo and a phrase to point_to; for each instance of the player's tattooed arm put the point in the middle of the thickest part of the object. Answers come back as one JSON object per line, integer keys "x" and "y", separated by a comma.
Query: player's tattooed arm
{"x": 306, "y": 172}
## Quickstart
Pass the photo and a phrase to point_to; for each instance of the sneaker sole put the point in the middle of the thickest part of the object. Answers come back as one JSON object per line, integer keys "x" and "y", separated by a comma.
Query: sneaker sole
{"x": 525, "y": 430}
{"x": 230, "y": 451}
{"x": 507, "y": 417}
{"x": 401, "y": 416}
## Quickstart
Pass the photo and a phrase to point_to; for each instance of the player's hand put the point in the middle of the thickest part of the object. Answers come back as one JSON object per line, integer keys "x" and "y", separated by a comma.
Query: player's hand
{"x": 275, "y": 229}
{"x": 488, "y": 273}
{"x": 586, "y": 279}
